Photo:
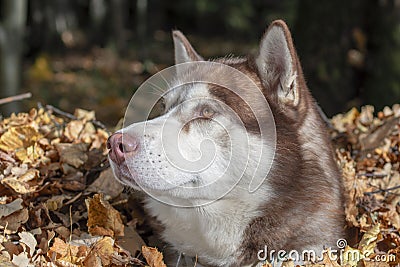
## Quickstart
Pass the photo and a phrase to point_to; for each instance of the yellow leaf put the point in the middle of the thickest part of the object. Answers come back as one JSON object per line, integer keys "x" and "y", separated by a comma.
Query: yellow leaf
{"x": 351, "y": 256}
{"x": 368, "y": 241}
{"x": 17, "y": 137}
{"x": 20, "y": 185}
{"x": 73, "y": 130}
{"x": 86, "y": 115}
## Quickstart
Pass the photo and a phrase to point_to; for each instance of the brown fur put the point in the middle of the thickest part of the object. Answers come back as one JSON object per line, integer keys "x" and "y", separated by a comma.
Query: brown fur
{"x": 302, "y": 187}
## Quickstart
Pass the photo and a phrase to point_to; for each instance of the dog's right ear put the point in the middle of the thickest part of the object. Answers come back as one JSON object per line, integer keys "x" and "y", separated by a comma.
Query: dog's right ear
{"x": 277, "y": 63}
{"x": 184, "y": 52}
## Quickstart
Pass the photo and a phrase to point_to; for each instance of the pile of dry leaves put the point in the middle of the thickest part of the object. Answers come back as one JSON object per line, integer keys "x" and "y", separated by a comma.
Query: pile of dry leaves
{"x": 60, "y": 206}
{"x": 50, "y": 169}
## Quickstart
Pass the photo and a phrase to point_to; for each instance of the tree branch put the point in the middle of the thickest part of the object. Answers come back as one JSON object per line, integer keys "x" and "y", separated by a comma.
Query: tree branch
{"x": 382, "y": 190}
{"x": 15, "y": 98}
{"x": 73, "y": 117}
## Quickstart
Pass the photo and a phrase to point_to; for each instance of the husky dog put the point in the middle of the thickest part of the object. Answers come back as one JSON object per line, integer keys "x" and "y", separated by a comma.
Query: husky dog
{"x": 299, "y": 204}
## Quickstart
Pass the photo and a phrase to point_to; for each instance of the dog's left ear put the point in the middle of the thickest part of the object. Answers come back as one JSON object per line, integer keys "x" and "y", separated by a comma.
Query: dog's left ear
{"x": 277, "y": 63}
{"x": 184, "y": 52}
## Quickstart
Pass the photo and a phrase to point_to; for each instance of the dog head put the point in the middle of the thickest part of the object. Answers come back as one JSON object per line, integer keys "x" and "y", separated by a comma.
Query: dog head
{"x": 215, "y": 133}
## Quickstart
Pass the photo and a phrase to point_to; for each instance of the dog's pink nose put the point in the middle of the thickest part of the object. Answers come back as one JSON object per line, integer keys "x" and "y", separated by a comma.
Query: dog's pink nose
{"x": 120, "y": 145}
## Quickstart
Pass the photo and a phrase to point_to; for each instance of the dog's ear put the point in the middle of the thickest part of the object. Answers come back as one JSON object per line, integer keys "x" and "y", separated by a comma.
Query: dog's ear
{"x": 184, "y": 51}
{"x": 277, "y": 63}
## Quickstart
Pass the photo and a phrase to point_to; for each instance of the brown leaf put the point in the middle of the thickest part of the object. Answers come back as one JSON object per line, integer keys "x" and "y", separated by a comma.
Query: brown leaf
{"x": 131, "y": 241}
{"x": 62, "y": 250}
{"x": 153, "y": 257}
{"x": 12, "y": 222}
{"x": 103, "y": 218}
{"x": 11, "y": 248}
{"x": 106, "y": 184}
{"x": 373, "y": 139}
{"x": 72, "y": 154}
{"x": 101, "y": 252}
{"x": 7, "y": 209}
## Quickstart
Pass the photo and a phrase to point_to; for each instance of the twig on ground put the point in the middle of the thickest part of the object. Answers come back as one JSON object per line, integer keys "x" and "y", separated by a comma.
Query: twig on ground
{"x": 73, "y": 117}
{"x": 15, "y": 98}
{"x": 374, "y": 175}
{"x": 382, "y": 190}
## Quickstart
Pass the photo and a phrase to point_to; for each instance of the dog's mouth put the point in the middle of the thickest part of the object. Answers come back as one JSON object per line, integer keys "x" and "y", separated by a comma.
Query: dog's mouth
{"x": 123, "y": 175}
{"x": 127, "y": 176}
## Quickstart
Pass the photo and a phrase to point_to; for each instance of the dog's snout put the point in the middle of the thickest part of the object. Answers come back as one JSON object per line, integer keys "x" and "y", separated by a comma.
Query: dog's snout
{"x": 120, "y": 145}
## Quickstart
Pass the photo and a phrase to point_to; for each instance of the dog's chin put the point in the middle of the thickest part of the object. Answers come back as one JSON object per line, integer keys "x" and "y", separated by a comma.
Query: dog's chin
{"x": 122, "y": 175}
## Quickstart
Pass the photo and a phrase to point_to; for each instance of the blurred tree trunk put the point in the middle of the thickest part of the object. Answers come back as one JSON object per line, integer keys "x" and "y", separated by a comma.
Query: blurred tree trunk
{"x": 118, "y": 14}
{"x": 98, "y": 12}
{"x": 141, "y": 29}
{"x": 14, "y": 14}
{"x": 383, "y": 58}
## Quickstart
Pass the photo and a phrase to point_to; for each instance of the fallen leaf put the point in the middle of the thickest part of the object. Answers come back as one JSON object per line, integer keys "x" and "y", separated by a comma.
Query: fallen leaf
{"x": 106, "y": 184}
{"x": 62, "y": 249}
{"x": 131, "y": 241}
{"x": 153, "y": 257}
{"x": 12, "y": 222}
{"x": 20, "y": 184}
{"x": 29, "y": 240}
{"x": 21, "y": 260}
{"x": 72, "y": 154}
{"x": 374, "y": 139}
{"x": 86, "y": 115}
{"x": 18, "y": 138}
{"x": 73, "y": 130}
{"x": 368, "y": 241}
{"x": 5, "y": 260}
{"x": 7, "y": 209}
{"x": 352, "y": 256}
{"x": 100, "y": 253}
{"x": 103, "y": 219}
{"x": 55, "y": 202}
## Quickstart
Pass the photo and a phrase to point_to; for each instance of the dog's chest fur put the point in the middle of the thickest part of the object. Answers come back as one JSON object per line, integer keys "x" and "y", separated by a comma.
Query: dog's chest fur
{"x": 212, "y": 233}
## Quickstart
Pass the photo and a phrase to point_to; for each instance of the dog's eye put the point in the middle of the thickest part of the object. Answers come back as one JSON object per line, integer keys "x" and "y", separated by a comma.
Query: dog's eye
{"x": 207, "y": 113}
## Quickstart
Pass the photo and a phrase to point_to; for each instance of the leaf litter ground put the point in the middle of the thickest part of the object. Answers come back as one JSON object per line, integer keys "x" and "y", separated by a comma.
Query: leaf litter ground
{"x": 60, "y": 205}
